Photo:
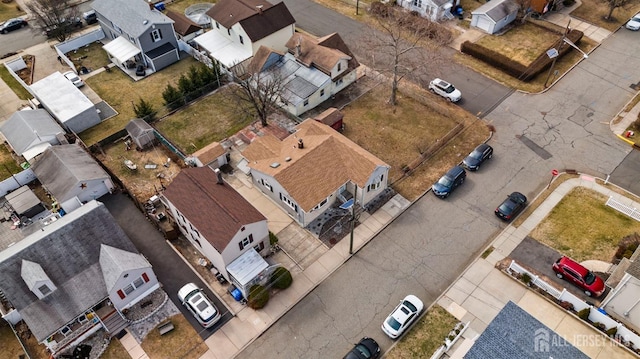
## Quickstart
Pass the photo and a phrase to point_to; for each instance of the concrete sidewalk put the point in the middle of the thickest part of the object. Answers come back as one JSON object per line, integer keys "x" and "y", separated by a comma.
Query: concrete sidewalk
{"x": 482, "y": 290}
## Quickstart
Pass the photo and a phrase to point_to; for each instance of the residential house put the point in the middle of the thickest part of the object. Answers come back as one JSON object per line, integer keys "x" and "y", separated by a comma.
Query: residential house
{"x": 216, "y": 219}
{"x": 240, "y": 27}
{"x": 185, "y": 28}
{"x": 311, "y": 71}
{"x": 138, "y": 33}
{"x": 65, "y": 102}
{"x": 73, "y": 278}
{"x": 493, "y": 16}
{"x": 141, "y": 133}
{"x": 213, "y": 155}
{"x": 622, "y": 302}
{"x": 314, "y": 169}
{"x": 71, "y": 176}
{"x": 30, "y": 132}
{"x": 434, "y": 10}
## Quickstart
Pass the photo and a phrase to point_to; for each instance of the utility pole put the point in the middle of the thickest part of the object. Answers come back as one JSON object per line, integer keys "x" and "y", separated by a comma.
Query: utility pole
{"x": 357, "y": 6}
{"x": 553, "y": 64}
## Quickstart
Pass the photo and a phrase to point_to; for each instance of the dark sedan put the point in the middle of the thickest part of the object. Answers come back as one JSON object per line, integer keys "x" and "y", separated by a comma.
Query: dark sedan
{"x": 12, "y": 24}
{"x": 511, "y": 206}
{"x": 477, "y": 157}
{"x": 366, "y": 348}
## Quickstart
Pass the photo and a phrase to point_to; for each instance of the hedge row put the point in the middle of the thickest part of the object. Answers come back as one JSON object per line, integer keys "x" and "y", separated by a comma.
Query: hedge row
{"x": 516, "y": 69}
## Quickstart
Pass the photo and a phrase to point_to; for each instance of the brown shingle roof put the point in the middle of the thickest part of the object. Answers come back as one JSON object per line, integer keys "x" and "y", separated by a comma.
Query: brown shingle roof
{"x": 327, "y": 161}
{"x": 329, "y": 116}
{"x": 217, "y": 211}
{"x": 210, "y": 152}
{"x": 257, "y": 22}
{"x": 182, "y": 24}
{"x": 322, "y": 53}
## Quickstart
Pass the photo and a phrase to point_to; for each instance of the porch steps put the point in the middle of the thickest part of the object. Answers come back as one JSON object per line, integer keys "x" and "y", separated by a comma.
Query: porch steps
{"x": 114, "y": 323}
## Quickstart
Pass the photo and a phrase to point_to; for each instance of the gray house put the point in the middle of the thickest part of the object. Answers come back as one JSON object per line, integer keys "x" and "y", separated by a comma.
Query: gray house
{"x": 73, "y": 278}
{"x": 30, "y": 132}
{"x": 492, "y": 16}
{"x": 71, "y": 176}
{"x": 138, "y": 32}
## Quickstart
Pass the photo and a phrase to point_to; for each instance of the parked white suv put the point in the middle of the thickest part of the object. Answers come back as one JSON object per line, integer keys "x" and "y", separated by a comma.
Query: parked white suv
{"x": 634, "y": 23}
{"x": 445, "y": 89}
{"x": 199, "y": 305}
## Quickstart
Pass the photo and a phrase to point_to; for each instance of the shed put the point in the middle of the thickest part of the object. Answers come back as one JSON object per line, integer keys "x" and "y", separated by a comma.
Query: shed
{"x": 331, "y": 117}
{"x": 24, "y": 202}
{"x": 247, "y": 270}
{"x": 213, "y": 155}
{"x": 141, "y": 133}
{"x": 66, "y": 103}
{"x": 30, "y": 132}
{"x": 494, "y": 15}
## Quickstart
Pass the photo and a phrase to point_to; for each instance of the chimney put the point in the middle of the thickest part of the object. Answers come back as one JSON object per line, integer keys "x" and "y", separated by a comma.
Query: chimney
{"x": 259, "y": 9}
{"x": 219, "y": 175}
{"x": 300, "y": 143}
{"x": 151, "y": 7}
{"x": 297, "y": 52}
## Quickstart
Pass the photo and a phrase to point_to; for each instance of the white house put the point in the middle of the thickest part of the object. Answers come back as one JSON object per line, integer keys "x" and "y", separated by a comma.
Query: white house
{"x": 434, "y": 10}
{"x": 65, "y": 102}
{"x": 216, "y": 219}
{"x": 494, "y": 15}
{"x": 311, "y": 71}
{"x": 314, "y": 169}
{"x": 240, "y": 27}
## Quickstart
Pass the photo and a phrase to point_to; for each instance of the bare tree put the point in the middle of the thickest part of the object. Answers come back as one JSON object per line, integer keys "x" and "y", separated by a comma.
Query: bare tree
{"x": 613, "y": 4}
{"x": 262, "y": 90}
{"x": 403, "y": 44}
{"x": 56, "y": 17}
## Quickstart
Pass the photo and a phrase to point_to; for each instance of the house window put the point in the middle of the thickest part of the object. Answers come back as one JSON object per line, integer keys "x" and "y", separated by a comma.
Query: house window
{"x": 197, "y": 242}
{"x": 245, "y": 242}
{"x": 241, "y": 40}
{"x": 266, "y": 184}
{"x": 229, "y": 32}
{"x": 132, "y": 39}
{"x": 259, "y": 247}
{"x": 289, "y": 202}
{"x": 376, "y": 184}
{"x": 321, "y": 92}
{"x": 128, "y": 289}
{"x": 115, "y": 27}
{"x": 217, "y": 25}
{"x": 339, "y": 66}
{"x": 306, "y": 103}
{"x": 319, "y": 205}
{"x": 339, "y": 82}
{"x": 196, "y": 233}
{"x": 417, "y": 3}
{"x": 137, "y": 283}
{"x": 156, "y": 35}
{"x": 44, "y": 289}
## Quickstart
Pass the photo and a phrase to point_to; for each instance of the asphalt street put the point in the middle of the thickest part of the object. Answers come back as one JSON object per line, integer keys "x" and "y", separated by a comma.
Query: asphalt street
{"x": 424, "y": 250}
{"x": 170, "y": 269}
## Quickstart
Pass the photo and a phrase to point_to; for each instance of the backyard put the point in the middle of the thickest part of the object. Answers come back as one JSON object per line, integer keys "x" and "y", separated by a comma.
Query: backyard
{"x": 8, "y": 165}
{"x": 425, "y": 336}
{"x": 121, "y": 92}
{"x": 181, "y": 342}
{"x": 10, "y": 345}
{"x": 91, "y": 56}
{"x": 599, "y": 231}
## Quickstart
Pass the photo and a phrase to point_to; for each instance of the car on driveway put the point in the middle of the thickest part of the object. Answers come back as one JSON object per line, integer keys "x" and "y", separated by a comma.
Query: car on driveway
{"x": 405, "y": 314}
{"x": 634, "y": 23}
{"x": 445, "y": 89}
{"x": 12, "y": 24}
{"x": 199, "y": 305}
{"x": 73, "y": 78}
{"x": 366, "y": 348}
{"x": 572, "y": 271}
{"x": 449, "y": 182}
{"x": 477, "y": 157}
{"x": 512, "y": 206}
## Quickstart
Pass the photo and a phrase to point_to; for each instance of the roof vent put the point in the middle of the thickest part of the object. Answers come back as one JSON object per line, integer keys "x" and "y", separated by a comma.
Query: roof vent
{"x": 259, "y": 8}
{"x": 300, "y": 143}
{"x": 287, "y": 159}
{"x": 144, "y": 22}
{"x": 274, "y": 165}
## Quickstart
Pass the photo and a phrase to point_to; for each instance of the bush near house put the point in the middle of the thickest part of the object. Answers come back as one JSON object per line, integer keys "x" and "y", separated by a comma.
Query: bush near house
{"x": 281, "y": 278}
{"x": 258, "y": 297}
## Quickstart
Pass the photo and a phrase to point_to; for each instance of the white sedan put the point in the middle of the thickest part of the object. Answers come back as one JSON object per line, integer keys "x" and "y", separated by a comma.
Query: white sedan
{"x": 634, "y": 23}
{"x": 445, "y": 89}
{"x": 75, "y": 79}
{"x": 403, "y": 316}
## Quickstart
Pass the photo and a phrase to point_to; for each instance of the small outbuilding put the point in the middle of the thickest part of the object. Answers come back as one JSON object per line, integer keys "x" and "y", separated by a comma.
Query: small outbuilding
{"x": 24, "y": 202}
{"x": 213, "y": 155}
{"x": 141, "y": 133}
{"x": 247, "y": 270}
{"x": 30, "y": 132}
{"x": 66, "y": 103}
{"x": 331, "y": 117}
{"x": 494, "y": 15}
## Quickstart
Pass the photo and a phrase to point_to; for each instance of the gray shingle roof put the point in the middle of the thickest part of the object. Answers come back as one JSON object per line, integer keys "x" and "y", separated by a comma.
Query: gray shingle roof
{"x": 23, "y": 128}
{"x": 130, "y": 15}
{"x": 498, "y": 9}
{"x": 114, "y": 262}
{"x": 514, "y": 333}
{"x": 137, "y": 127}
{"x": 634, "y": 268}
{"x": 61, "y": 168}
{"x": 68, "y": 251}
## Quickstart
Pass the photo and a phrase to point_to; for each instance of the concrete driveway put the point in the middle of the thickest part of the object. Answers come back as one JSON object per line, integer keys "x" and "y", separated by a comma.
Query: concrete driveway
{"x": 170, "y": 269}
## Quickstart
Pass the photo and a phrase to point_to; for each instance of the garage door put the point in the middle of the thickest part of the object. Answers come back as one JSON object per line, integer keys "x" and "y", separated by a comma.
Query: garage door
{"x": 484, "y": 24}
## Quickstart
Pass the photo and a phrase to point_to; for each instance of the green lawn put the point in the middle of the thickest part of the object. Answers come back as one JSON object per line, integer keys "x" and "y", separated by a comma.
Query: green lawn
{"x": 8, "y": 165}
{"x": 91, "y": 56}
{"x": 22, "y": 93}
{"x": 120, "y": 91}
{"x": 10, "y": 10}
{"x": 582, "y": 227}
